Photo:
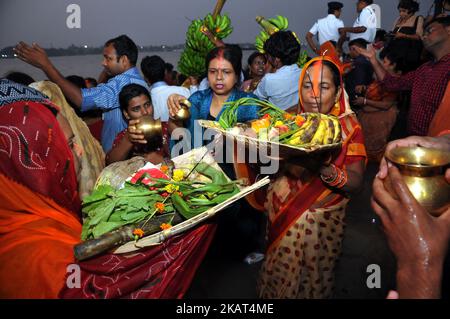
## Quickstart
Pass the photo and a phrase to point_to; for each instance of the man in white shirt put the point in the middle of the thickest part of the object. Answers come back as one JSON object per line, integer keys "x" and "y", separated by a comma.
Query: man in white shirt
{"x": 281, "y": 88}
{"x": 153, "y": 69}
{"x": 328, "y": 28}
{"x": 365, "y": 26}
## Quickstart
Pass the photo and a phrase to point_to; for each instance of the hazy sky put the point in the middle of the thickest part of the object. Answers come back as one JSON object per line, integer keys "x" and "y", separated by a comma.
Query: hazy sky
{"x": 152, "y": 22}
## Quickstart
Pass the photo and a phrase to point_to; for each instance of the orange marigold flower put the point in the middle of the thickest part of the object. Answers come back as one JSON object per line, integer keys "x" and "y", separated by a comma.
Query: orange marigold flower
{"x": 288, "y": 116}
{"x": 165, "y": 226}
{"x": 138, "y": 232}
{"x": 160, "y": 207}
{"x": 299, "y": 120}
{"x": 164, "y": 168}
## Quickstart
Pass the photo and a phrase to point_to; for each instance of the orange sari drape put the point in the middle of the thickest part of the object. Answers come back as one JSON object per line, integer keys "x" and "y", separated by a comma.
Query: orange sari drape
{"x": 29, "y": 224}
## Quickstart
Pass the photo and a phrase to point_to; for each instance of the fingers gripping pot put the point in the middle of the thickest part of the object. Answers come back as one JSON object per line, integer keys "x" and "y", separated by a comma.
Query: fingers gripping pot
{"x": 151, "y": 129}
{"x": 183, "y": 113}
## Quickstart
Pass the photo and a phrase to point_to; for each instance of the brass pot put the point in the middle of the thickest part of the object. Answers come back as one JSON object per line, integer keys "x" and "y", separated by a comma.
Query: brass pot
{"x": 423, "y": 170}
{"x": 183, "y": 113}
{"x": 151, "y": 128}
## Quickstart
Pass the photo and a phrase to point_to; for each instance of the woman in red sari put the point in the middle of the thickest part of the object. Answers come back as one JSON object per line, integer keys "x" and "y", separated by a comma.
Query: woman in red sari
{"x": 40, "y": 219}
{"x": 306, "y": 208}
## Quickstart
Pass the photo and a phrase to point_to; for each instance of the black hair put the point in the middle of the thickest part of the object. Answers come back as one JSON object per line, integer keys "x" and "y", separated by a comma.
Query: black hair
{"x": 230, "y": 52}
{"x": 283, "y": 45}
{"x": 410, "y": 5}
{"x": 129, "y": 92}
{"x": 396, "y": 57}
{"x": 368, "y": 2}
{"x": 77, "y": 80}
{"x": 360, "y": 42}
{"x": 20, "y": 77}
{"x": 124, "y": 46}
{"x": 92, "y": 81}
{"x": 253, "y": 56}
{"x": 445, "y": 21}
{"x": 168, "y": 67}
{"x": 334, "y": 71}
{"x": 153, "y": 68}
{"x": 334, "y": 6}
{"x": 380, "y": 35}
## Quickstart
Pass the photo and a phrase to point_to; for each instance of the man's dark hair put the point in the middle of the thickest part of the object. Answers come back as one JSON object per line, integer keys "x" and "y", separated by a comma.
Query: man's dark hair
{"x": 20, "y": 77}
{"x": 168, "y": 67}
{"x": 410, "y": 5}
{"x": 124, "y": 46}
{"x": 359, "y": 42}
{"x": 77, "y": 80}
{"x": 230, "y": 52}
{"x": 334, "y": 6}
{"x": 445, "y": 21}
{"x": 93, "y": 81}
{"x": 368, "y": 2}
{"x": 380, "y": 35}
{"x": 129, "y": 92}
{"x": 153, "y": 68}
{"x": 283, "y": 45}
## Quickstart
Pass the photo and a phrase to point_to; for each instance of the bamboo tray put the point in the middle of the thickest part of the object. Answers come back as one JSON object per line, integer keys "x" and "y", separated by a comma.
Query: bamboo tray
{"x": 186, "y": 161}
{"x": 274, "y": 149}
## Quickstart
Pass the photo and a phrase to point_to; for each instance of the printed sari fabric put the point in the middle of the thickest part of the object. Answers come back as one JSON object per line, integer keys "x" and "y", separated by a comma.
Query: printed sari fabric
{"x": 306, "y": 221}
{"x": 93, "y": 157}
{"x": 40, "y": 221}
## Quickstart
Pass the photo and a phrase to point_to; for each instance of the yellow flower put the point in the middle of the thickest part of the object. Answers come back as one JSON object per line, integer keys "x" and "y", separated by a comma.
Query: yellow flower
{"x": 178, "y": 175}
{"x": 279, "y": 123}
{"x": 171, "y": 188}
{"x": 165, "y": 226}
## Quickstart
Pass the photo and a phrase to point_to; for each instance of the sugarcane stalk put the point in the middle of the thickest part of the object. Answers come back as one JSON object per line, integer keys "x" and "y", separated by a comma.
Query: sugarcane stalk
{"x": 94, "y": 247}
{"x": 218, "y": 8}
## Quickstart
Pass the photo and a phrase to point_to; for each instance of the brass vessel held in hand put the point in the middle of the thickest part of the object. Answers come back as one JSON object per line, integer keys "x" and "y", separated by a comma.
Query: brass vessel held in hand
{"x": 151, "y": 128}
{"x": 423, "y": 170}
{"x": 183, "y": 113}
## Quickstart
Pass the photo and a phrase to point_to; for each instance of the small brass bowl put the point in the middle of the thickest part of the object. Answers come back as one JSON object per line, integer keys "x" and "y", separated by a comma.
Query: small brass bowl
{"x": 151, "y": 128}
{"x": 423, "y": 170}
{"x": 183, "y": 113}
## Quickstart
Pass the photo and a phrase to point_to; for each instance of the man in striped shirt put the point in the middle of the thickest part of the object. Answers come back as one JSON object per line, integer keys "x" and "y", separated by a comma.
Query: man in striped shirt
{"x": 119, "y": 63}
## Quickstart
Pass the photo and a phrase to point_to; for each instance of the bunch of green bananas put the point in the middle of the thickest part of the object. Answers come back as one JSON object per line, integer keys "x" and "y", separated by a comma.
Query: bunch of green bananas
{"x": 192, "y": 60}
{"x": 219, "y": 27}
{"x": 270, "y": 26}
{"x": 317, "y": 129}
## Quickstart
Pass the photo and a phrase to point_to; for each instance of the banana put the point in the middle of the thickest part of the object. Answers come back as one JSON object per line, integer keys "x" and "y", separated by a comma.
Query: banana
{"x": 284, "y": 23}
{"x": 318, "y": 137}
{"x": 306, "y": 132}
{"x": 330, "y": 132}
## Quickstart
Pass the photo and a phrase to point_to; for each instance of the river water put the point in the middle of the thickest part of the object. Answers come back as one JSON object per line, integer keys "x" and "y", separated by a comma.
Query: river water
{"x": 85, "y": 65}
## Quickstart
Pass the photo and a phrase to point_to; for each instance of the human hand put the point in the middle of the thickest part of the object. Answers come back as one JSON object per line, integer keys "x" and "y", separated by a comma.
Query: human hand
{"x": 360, "y": 101}
{"x": 174, "y": 103}
{"x": 369, "y": 53}
{"x": 360, "y": 89}
{"x": 415, "y": 237}
{"x": 33, "y": 55}
{"x": 193, "y": 80}
{"x": 134, "y": 135}
{"x": 442, "y": 143}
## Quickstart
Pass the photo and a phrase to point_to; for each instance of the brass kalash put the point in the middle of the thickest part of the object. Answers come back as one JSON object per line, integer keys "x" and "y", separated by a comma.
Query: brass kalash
{"x": 423, "y": 170}
{"x": 183, "y": 113}
{"x": 152, "y": 129}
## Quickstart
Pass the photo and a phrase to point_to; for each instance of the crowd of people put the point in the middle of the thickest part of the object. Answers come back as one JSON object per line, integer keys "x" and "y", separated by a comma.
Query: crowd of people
{"x": 58, "y": 135}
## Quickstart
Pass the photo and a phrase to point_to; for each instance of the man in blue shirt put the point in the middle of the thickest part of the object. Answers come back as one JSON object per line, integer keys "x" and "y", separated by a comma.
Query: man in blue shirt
{"x": 281, "y": 87}
{"x": 119, "y": 63}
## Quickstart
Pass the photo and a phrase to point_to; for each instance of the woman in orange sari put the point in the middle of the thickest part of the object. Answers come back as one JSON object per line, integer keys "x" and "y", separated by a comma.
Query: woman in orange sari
{"x": 40, "y": 220}
{"x": 306, "y": 208}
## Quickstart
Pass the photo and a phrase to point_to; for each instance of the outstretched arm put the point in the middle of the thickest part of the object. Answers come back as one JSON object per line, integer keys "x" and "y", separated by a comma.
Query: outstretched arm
{"x": 311, "y": 43}
{"x": 36, "y": 56}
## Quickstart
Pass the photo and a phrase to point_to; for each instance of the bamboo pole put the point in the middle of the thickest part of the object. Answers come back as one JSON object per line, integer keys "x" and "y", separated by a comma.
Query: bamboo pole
{"x": 218, "y": 8}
